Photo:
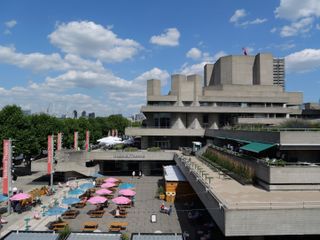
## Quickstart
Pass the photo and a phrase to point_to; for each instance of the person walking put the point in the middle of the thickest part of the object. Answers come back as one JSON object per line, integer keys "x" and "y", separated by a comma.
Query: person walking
{"x": 133, "y": 174}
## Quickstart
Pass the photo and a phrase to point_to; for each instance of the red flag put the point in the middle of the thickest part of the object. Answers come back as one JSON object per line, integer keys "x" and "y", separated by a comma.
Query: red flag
{"x": 87, "y": 140}
{"x": 245, "y": 51}
{"x": 6, "y": 167}
{"x": 75, "y": 141}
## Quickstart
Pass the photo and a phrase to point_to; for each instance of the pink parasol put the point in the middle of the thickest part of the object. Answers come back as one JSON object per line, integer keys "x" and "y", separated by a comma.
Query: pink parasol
{"x": 121, "y": 200}
{"x": 103, "y": 191}
{"x": 20, "y": 196}
{"x": 111, "y": 180}
{"x": 108, "y": 185}
{"x": 97, "y": 200}
{"x": 127, "y": 192}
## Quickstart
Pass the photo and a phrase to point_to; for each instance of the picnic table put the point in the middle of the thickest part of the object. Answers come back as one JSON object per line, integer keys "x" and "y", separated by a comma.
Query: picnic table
{"x": 70, "y": 214}
{"x": 79, "y": 205}
{"x": 122, "y": 213}
{"x": 97, "y": 213}
{"x": 117, "y": 226}
{"x": 89, "y": 226}
{"x": 59, "y": 226}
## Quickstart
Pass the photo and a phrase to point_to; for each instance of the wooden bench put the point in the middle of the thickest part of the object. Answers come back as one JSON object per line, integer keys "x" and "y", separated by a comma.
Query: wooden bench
{"x": 89, "y": 226}
{"x": 97, "y": 214}
{"x": 79, "y": 205}
{"x": 121, "y": 225}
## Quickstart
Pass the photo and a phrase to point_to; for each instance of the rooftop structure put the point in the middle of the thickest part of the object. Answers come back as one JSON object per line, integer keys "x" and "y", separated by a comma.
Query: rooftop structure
{"x": 235, "y": 90}
{"x": 34, "y": 235}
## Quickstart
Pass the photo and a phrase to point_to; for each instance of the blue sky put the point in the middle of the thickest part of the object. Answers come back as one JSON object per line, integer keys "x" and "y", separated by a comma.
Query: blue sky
{"x": 97, "y": 55}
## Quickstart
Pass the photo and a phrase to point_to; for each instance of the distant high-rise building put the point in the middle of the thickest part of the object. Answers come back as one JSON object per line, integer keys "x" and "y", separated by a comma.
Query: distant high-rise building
{"x": 83, "y": 114}
{"x": 278, "y": 72}
{"x": 92, "y": 115}
{"x": 75, "y": 114}
{"x": 26, "y": 112}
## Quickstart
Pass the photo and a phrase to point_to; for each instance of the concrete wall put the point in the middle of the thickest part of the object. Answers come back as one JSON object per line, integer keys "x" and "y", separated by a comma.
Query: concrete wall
{"x": 263, "y": 69}
{"x": 164, "y": 132}
{"x": 208, "y": 68}
{"x": 300, "y": 138}
{"x": 266, "y": 222}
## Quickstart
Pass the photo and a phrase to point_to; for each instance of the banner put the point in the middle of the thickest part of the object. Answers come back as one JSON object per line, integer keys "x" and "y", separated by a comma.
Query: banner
{"x": 59, "y": 141}
{"x": 6, "y": 166}
{"x": 75, "y": 141}
{"x": 87, "y": 140}
{"x": 50, "y": 154}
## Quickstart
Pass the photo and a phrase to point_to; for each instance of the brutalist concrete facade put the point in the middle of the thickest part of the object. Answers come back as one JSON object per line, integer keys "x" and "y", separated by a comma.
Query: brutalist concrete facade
{"x": 236, "y": 89}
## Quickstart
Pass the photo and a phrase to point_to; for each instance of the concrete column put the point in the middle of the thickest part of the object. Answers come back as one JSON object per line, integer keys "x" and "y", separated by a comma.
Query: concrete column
{"x": 144, "y": 142}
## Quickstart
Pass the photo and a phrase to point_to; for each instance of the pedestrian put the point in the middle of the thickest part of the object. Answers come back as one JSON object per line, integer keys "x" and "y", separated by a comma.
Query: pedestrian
{"x": 140, "y": 174}
{"x": 133, "y": 174}
{"x": 170, "y": 210}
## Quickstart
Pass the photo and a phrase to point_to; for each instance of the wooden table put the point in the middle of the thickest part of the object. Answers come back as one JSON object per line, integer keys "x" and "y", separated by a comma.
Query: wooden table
{"x": 89, "y": 226}
{"x": 59, "y": 226}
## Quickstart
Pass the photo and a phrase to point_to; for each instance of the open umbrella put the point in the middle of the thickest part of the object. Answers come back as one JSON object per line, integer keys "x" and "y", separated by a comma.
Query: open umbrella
{"x": 97, "y": 200}
{"x": 86, "y": 186}
{"x": 55, "y": 211}
{"x": 3, "y": 198}
{"x": 20, "y": 196}
{"x": 108, "y": 185}
{"x": 127, "y": 192}
{"x": 126, "y": 185}
{"x": 111, "y": 179}
{"x": 70, "y": 200}
{"x": 76, "y": 191}
{"x": 103, "y": 191}
{"x": 121, "y": 200}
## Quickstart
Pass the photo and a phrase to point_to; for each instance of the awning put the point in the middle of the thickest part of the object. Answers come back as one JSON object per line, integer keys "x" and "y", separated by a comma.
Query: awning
{"x": 257, "y": 147}
{"x": 234, "y": 139}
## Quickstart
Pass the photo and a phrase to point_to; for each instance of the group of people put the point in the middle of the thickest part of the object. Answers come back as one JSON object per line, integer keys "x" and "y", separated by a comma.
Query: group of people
{"x": 134, "y": 174}
{"x": 165, "y": 209}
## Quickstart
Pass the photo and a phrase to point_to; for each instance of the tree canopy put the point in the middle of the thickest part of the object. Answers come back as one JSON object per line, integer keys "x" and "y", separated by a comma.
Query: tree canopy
{"x": 29, "y": 133}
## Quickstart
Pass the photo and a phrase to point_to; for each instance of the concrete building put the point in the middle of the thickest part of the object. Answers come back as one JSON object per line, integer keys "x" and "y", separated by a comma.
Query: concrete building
{"x": 235, "y": 90}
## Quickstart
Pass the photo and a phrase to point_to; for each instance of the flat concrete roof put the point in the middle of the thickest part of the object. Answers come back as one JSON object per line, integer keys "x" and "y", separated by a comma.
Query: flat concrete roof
{"x": 235, "y": 195}
{"x": 94, "y": 236}
{"x": 173, "y": 173}
{"x": 16, "y": 235}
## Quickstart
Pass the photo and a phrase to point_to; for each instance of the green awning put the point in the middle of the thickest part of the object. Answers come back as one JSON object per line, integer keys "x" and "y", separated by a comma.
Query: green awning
{"x": 257, "y": 147}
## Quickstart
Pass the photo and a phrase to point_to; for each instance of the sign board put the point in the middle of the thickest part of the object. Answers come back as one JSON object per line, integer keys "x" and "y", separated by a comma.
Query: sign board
{"x": 50, "y": 154}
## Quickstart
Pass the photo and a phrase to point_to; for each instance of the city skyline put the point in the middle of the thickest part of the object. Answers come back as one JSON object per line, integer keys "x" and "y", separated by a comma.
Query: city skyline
{"x": 98, "y": 55}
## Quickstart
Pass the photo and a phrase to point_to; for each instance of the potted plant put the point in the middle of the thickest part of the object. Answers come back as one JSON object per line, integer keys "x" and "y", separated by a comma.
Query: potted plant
{"x": 124, "y": 236}
{"x": 161, "y": 194}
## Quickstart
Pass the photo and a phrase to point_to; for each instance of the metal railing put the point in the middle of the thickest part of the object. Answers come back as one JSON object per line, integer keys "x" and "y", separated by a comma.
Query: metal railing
{"x": 251, "y": 205}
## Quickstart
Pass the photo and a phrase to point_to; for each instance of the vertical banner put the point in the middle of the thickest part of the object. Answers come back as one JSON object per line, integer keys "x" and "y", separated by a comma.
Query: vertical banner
{"x": 6, "y": 166}
{"x": 87, "y": 140}
{"x": 50, "y": 154}
{"x": 112, "y": 133}
{"x": 75, "y": 141}
{"x": 59, "y": 141}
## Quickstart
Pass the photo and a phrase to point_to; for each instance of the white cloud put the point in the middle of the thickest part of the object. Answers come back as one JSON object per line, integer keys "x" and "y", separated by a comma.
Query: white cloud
{"x": 197, "y": 68}
{"x": 296, "y": 9}
{"x": 303, "y": 61}
{"x": 11, "y": 23}
{"x": 42, "y": 62}
{"x": 154, "y": 73}
{"x": 238, "y": 14}
{"x": 273, "y": 30}
{"x": 89, "y": 39}
{"x": 194, "y": 53}
{"x": 318, "y": 26}
{"x": 302, "y": 26}
{"x": 170, "y": 37}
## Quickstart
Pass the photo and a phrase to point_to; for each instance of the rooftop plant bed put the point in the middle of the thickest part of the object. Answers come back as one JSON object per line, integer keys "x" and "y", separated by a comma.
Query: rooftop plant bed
{"x": 236, "y": 170}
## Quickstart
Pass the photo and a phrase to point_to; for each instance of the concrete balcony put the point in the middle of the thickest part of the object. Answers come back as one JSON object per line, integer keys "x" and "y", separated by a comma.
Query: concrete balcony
{"x": 212, "y": 109}
{"x": 269, "y": 121}
{"x": 164, "y": 132}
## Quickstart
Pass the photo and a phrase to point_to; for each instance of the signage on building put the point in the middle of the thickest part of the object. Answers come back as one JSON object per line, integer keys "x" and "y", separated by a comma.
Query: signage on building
{"x": 128, "y": 155}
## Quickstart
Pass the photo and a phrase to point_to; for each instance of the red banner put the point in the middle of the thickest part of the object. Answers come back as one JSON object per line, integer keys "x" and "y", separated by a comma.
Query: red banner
{"x": 87, "y": 140}
{"x": 59, "y": 141}
{"x": 75, "y": 141}
{"x": 50, "y": 154}
{"x": 6, "y": 167}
